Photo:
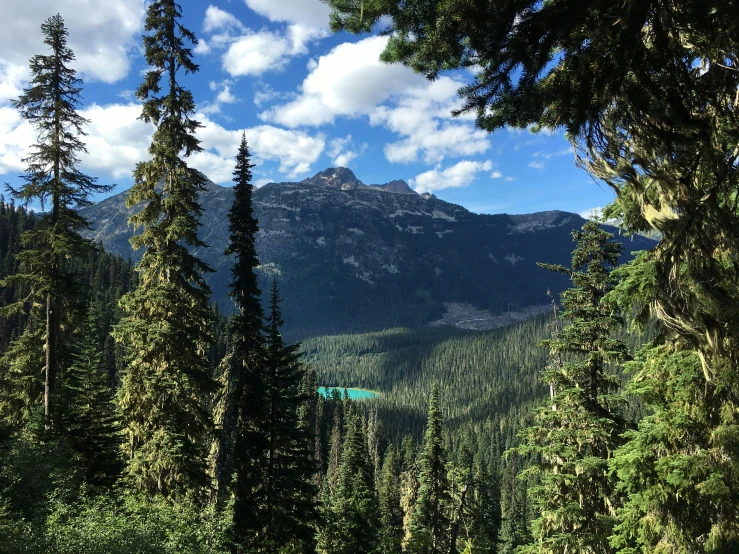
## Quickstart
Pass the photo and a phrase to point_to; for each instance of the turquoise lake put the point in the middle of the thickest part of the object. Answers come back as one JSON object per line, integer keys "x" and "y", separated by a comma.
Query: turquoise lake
{"x": 354, "y": 394}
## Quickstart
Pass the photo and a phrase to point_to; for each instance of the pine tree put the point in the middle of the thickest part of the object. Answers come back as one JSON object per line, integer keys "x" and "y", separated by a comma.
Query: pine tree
{"x": 574, "y": 437}
{"x": 514, "y": 530}
{"x": 242, "y": 413}
{"x": 485, "y": 509}
{"x": 429, "y": 527}
{"x": 354, "y": 504}
{"x": 290, "y": 493}
{"x": 90, "y": 416}
{"x": 408, "y": 484}
{"x": 391, "y": 515}
{"x": 52, "y": 179}
{"x": 677, "y": 471}
{"x": 168, "y": 320}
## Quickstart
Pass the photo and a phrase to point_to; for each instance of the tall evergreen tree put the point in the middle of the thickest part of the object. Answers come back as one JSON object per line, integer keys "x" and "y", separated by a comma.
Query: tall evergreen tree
{"x": 515, "y": 529}
{"x": 677, "y": 481}
{"x": 290, "y": 494}
{"x": 52, "y": 178}
{"x": 429, "y": 527}
{"x": 391, "y": 515}
{"x": 354, "y": 508}
{"x": 485, "y": 509}
{"x": 168, "y": 320}
{"x": 242, "y": 418}
{"x": 574, "y": 437}
{"x": 90, "y": 416}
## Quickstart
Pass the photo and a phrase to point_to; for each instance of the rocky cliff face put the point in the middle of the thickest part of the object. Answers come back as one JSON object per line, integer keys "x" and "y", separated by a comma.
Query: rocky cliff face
{"x": 353, "y": 257}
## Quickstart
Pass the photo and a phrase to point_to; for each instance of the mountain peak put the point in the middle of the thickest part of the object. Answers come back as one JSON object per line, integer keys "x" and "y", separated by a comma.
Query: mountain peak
{"x": 397, "y": 185}
{"x": 335, "y": 177}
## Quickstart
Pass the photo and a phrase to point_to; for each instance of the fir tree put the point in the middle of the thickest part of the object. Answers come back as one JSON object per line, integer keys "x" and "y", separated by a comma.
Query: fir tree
{"x": 576, "y": 435}
{"x": 354, "y": 504}
{"x": 675, "y": 473}
{"x": 167, "y": 324}
{"x": 391, "y": 515}
{"x": 485, "y": 509}
{"x": 429, "y": 527}
{"x": 51, "y": 178}
{"x": 290, "y": 493}
{"x": 91, "y": 421}
{"x": 242, "y": 417}
{"x": 514, "y": 530}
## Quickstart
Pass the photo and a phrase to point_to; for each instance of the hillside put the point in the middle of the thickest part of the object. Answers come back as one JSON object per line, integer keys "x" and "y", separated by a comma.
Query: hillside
{"x": 352, "y": 257}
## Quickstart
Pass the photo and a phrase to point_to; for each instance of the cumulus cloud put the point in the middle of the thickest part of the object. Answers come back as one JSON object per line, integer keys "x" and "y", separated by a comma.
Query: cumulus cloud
{"x": 250, "y": 52}
{"x": 13, "y": 78}
{"x": 255, "y": 53}
{"x": 294, "y": 151}
{"x": 351, "y": 81}
{"x": 101, "y": 33}
{"x": 348, "y": 81}
{"x": 117, "y": 140}
{"x": 311, "y": 13}
{"x": 343, "y": 151}
{"x": 457, "y": 176}
{"x": 217, "y": 19}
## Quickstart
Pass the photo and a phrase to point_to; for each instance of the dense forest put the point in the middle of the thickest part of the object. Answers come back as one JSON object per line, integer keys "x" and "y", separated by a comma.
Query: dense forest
{"x": 134, "y": 417}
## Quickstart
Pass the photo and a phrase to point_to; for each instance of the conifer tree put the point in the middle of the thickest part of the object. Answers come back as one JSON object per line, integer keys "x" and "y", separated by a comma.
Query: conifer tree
{"x": 677, "y": 482}
{"x": 289, "y": 498}
{"x": 53, "y": 179}
{"x": 429, "y": 527}
{"x": 242, "y": 417}
{"x": 91, "y": 422}
{"x": 574, "y": 437}
{"x": 485, "y": 509}
{"x": 167, "y": 324}
{"x": 354, "y": 504}
{"x": 391, "y": 516}
{"x": 515, "y": 529}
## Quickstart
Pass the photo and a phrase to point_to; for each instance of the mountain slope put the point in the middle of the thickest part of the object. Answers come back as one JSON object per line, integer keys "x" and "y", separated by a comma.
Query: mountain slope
{"x": 353, "y": 257}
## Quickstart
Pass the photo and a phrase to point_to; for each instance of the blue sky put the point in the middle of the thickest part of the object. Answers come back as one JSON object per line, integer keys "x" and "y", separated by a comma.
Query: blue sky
{"x": 307, "y": 99}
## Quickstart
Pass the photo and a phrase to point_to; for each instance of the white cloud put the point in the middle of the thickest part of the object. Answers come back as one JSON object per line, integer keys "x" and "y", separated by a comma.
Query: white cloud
{"x": 101, "y": 33}
{"x": 343, "y": 151}
{"x": 217, "y": 19}
{"x": 592, "y": 213}
{"x": 255, "y": 53}
{"x": 117, "y": 140}
{"x": 294, "y": 151}
{"x": 311, "y": 13}
{"x": 267, "y": 94}
{"x": 423, "y": 117}
{"x": 537, "y": 165}
{"x": 457, "y": 176}
{"x": 202, "y": 47}
{"x": 16, "y": 136}
{"x": 496, "y": 175}
{"x": 225, "y": 96}
{"x": 250, "y": 52}
{"x": 13, "y": 78}
{"x": 350, "y": 80}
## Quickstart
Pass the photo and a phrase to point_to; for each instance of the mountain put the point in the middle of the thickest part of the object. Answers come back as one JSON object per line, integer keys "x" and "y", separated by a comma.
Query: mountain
{"x": 352, "y": 257}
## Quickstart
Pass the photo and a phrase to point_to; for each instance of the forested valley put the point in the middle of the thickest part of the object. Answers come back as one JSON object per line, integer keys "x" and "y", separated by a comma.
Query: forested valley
{"x": 137, "y": 417}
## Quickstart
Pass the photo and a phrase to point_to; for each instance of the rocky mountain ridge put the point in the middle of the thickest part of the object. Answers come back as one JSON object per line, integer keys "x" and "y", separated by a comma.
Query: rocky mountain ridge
{"x": 352, "y": 257}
